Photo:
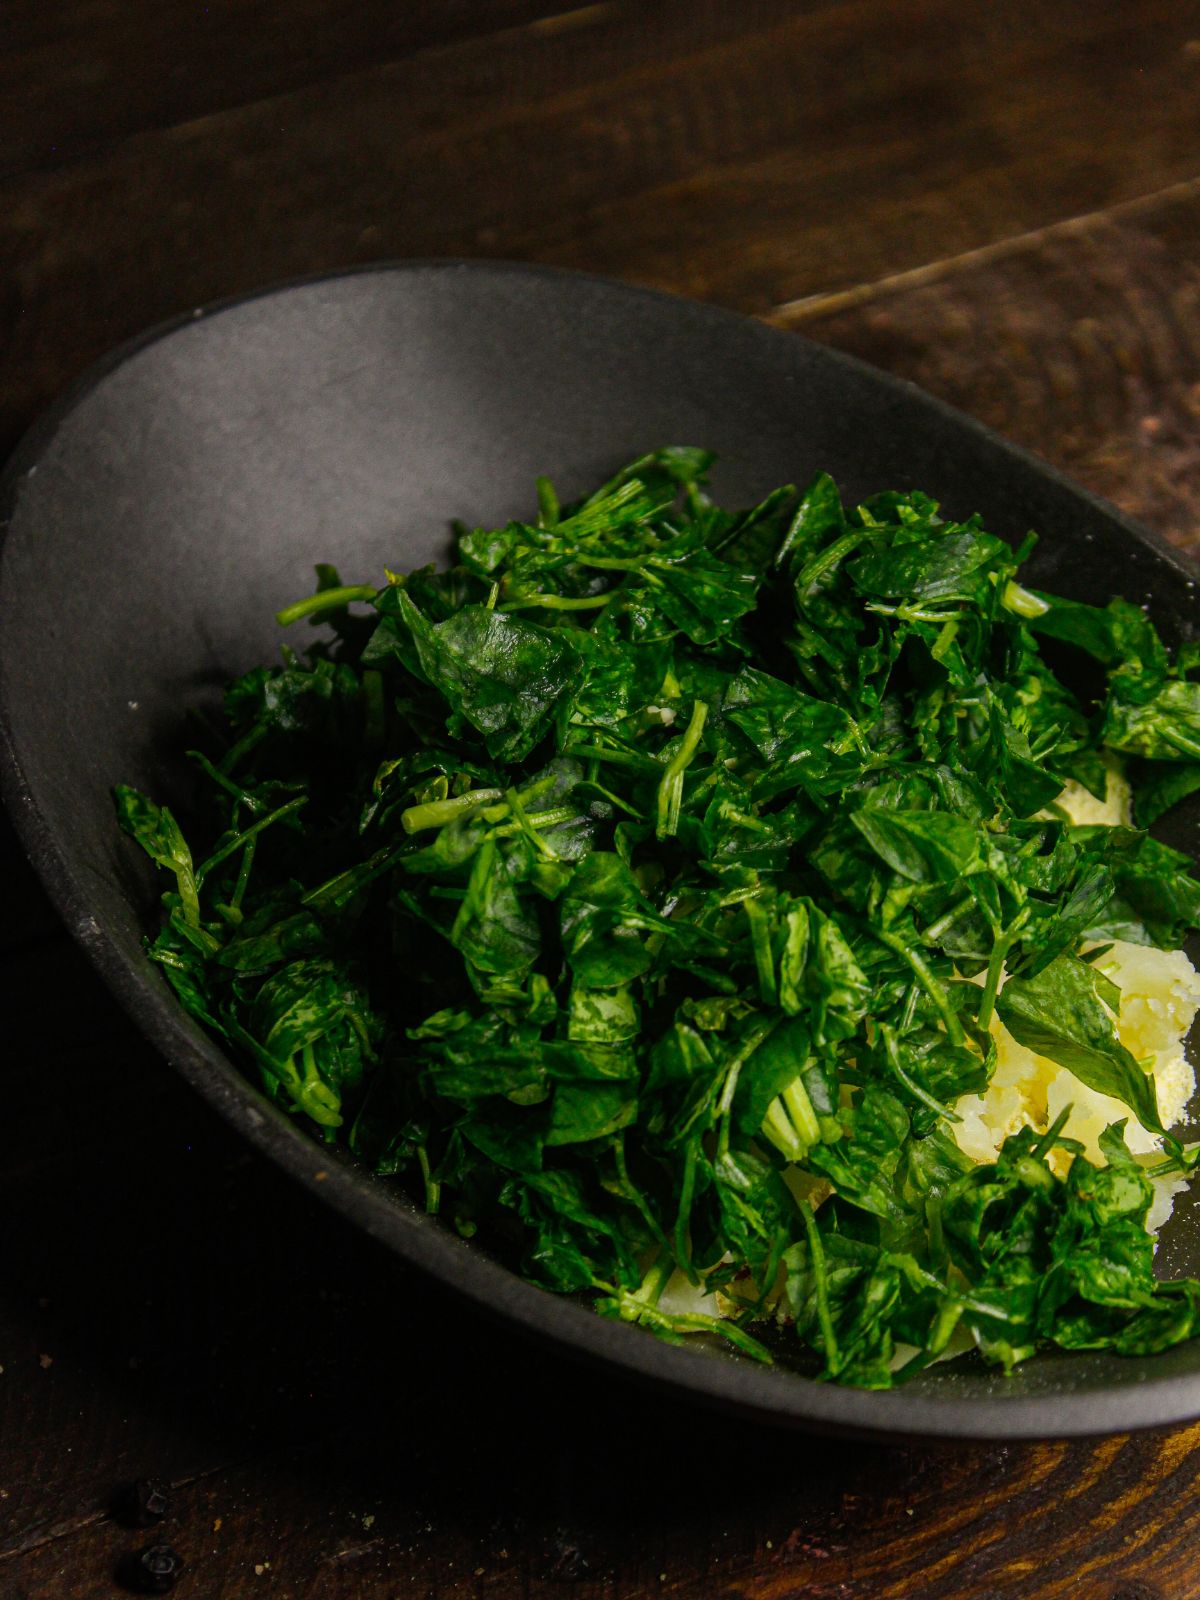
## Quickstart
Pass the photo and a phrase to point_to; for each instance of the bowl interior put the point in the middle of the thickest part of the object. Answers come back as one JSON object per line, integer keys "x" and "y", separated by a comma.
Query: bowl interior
{"x": 183, "y": 492}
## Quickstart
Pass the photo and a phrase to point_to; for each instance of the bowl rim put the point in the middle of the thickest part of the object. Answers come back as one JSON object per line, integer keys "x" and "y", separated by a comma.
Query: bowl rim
{"x": 777, "y": 1396}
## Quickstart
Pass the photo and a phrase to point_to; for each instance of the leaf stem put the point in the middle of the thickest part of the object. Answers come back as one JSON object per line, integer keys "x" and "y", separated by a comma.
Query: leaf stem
{"x": 1015, "y": 598}
{"x": 817, "y": 566}
{"x": 925, "y": 978}
{"x": 240, "y": 839}
{"x": 557, "y": 602}
{"x": 687, "y": 1187}
{"x": 760, "y": 940}
{"x": 670, "y": 790}
{"x": 1046, "y": 1142}
{"x": 528, "y": 827}
{"x": 433, "y": 1189}
{"x": 616, "y": 758}
{"x": 1189, "y": 747}
{"x": 1004, "y": 943}
{"x": 631, "y": 1190}
{"x": 549, "y": 509}
{"x": 821, "y": 1283}
{"x": 245, "y": 797}
{"x": 946, "y": 921}
{"x": 649, "y": 1292}
{"x": 327, "y": 894}
{"x": 324, "y": 600}
{"x": 436, "y": 813}
{"x": 892, "y": 1051}
{"x": 244, "y": 874}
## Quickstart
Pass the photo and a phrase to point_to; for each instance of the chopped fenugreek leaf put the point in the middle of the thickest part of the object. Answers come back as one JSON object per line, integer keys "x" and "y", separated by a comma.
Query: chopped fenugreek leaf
{"x": 647, "y": 889}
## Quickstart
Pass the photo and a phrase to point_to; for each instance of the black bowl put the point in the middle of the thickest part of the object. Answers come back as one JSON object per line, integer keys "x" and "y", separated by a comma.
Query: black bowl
{"x": 183, "y": 490}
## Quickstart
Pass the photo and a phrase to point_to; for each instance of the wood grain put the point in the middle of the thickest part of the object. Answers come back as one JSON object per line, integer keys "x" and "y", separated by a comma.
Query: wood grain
{"x": 82, "y": 73}
{"x": 1082, "y": 344}
{"x": 751, "y": 154}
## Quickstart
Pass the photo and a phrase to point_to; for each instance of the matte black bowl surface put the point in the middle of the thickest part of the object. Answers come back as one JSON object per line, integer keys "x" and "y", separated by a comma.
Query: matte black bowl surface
{"x": 182, "y": 491}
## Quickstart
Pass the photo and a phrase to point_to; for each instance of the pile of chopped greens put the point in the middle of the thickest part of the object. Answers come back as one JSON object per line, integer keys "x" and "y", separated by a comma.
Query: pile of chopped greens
{"x": 640, "y": 890}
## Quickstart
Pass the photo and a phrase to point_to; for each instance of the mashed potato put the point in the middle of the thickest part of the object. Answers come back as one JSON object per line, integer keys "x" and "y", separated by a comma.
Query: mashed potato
{"x": 1160, "y": 995}
{"x": 1115, "y": 810}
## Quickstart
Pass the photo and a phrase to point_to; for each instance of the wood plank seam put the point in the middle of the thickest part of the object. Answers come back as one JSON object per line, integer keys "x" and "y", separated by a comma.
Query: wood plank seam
{"x": 791, "y": 312}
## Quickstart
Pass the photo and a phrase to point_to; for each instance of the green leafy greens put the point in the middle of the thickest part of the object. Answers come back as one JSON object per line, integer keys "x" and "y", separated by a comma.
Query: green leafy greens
{"x": 642, "y": 889}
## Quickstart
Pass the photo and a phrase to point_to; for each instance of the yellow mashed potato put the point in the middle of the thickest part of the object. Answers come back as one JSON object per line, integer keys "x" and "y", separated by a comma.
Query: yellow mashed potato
{"x": 1160, "y": 995}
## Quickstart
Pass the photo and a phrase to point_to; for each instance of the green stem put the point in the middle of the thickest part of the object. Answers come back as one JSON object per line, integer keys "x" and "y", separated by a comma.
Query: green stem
{"x": 613, "y": 799}
{"x": 948, "y": 1317}
{"x": 912, "y": 994}
{"x": 672, "y": 1325}
{"x": 1004, "y": 943}
{"x": 243, "y": 796}
{"x": 556, "y": 602}
{"x": 631, "y": 1190}
{"x": 245, "y": 744}
{"x": 610, "y": 563}
{"x": 476, "y": 889}
{"x": 549, "y": 510}
{"x": 650, "y": 1292}
{"x": 697, "y": 1322}
{"x": 433, "y": 1189}
{"x": 617, "y": 758}
{"x": 926, "y": 979}
{"x": 687, "y": 1188}
{"x": 758, "y": 1032}
{"x": 760, "y": 939}
{"x": 1014, "y": 598}
{"x": 912, "y": 613}
{"x": 324, "y": 600}
{"x": 670, "y": 790}
{"x": 790, "y": 1123}
{"x": 946, "y": 921}
{"x": 800, "y": 1110}
{"x": 436, "y": 813}
{"x": 552, "y": 817}
{"x": 240, "y": 839}
{"x": 326, "y": 895}
{"x": 892, "y": 1051}
{"x": 1046, "y": 1142}
{"x": 944, "y": 640}
{"x": 821, "y": 1283}
{"x": 527, "y": 827}
{"x": 244, "y": 874}
{"x": 818, "y": 565}
{"x": 1189, "y": 747}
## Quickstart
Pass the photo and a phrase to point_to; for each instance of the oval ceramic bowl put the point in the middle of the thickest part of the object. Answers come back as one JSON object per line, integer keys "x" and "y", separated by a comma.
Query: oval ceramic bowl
{"x": 158, "y": 516}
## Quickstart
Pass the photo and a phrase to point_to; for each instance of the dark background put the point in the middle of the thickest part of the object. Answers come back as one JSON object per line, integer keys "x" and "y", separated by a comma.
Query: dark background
{"x": 1000, "y": 200}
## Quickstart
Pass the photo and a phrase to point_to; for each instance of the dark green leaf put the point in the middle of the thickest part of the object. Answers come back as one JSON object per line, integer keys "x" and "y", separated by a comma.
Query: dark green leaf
{"x": 1059, "y": 1014}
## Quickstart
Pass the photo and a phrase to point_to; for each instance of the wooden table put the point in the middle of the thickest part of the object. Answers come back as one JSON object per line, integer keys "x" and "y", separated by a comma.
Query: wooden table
{"x": 1000, "y": 200}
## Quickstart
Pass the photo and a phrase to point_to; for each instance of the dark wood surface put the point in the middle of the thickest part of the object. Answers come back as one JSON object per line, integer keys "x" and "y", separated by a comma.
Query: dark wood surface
{"x": 1000, "y": 201}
